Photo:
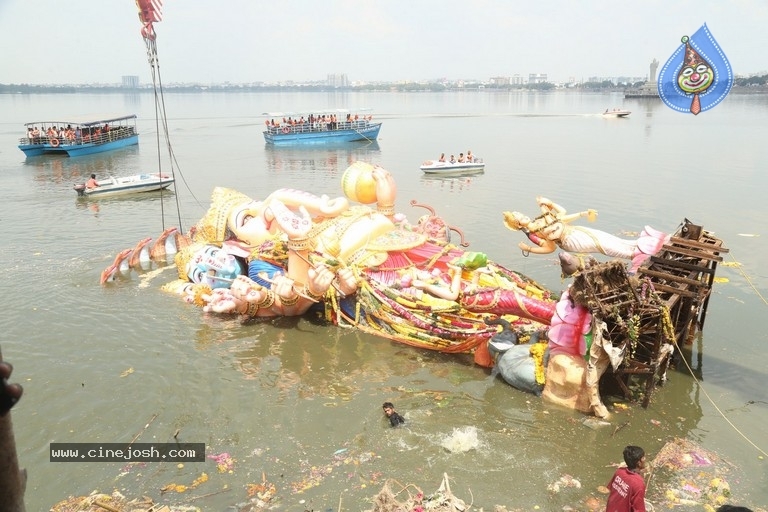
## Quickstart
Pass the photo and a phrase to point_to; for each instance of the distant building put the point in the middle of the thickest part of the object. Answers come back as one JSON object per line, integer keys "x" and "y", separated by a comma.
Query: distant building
{"x": 130, "y": 82}
{"x": 537, "y": 78}
{"x": 649, "y": 89}
{"x": 516, "y": 80}
{"x": 337, "y": 80}
{"x": 499, "y": 80}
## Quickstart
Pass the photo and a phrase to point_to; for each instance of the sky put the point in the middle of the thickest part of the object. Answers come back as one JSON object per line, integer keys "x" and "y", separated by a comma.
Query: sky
{"x": 245, "y": 41}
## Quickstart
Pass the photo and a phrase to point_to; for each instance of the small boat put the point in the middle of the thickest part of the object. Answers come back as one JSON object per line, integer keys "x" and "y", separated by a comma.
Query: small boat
{"x": 437, "y": 167}
{"x": 616, "y": 112}
{"x": 322, "y": 128}
{"x": 75, "y": 138}
{"x": 111, "y": 186}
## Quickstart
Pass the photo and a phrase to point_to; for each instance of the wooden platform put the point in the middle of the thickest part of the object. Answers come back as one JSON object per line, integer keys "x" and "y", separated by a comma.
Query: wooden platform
{"x": 683, "y": 273}
{"x": 652, "y": 314}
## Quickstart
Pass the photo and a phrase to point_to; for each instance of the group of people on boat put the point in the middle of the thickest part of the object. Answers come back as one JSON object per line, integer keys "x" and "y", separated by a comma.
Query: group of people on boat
{"x": 314, "y": 123}
{"x": 71, "y": 135}
{"x": 469, "y": 158}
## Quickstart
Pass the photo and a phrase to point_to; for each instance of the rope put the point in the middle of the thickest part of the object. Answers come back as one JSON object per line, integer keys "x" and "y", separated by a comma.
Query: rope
{"x": 160, "y": 115}
{"x": 703, "y": 389}
{"x": 711, "y": 401}
{"x": 747, "y": 279}
{"x": 362, "y": 134}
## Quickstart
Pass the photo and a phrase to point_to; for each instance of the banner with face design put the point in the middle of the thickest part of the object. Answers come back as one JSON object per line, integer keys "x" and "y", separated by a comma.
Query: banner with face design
{"x": 697, "y": 76}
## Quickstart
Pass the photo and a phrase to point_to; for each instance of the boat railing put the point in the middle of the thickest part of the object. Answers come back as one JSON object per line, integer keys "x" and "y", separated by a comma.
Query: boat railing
{"x": 116, "y": 133}
{"x": 308, "y": 127}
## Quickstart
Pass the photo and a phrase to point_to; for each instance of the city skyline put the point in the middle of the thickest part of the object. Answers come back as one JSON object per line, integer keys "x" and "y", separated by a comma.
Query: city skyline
{"x": 246, "y": 42}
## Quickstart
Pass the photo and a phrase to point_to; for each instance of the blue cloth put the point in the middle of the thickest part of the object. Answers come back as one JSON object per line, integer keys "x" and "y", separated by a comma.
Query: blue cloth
{"x": 518, "y": 369}
{"x": 257, "y": 267}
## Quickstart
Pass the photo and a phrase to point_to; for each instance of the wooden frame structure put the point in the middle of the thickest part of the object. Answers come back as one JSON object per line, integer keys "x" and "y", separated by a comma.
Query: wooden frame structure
{"x": 647, "y": 315}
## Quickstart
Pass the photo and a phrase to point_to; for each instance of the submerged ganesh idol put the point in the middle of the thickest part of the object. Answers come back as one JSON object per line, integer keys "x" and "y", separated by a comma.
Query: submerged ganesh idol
{"x": 357, "y": 263}
{"x": 359, "y": 266}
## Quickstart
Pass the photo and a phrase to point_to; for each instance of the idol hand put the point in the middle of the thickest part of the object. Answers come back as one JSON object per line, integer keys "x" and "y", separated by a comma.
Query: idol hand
{"x": 320, "y": 279}
{"x": 347, "y": 281}
{"x": 293, "y": 224}
{"x": 222, "y": 301}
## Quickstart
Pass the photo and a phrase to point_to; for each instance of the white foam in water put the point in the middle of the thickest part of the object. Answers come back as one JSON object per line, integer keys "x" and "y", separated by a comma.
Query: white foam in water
{"x": 461, "y": 440}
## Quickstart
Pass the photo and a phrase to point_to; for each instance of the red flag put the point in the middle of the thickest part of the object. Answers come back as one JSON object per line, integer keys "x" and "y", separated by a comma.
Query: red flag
{"x": 149, "y": 12}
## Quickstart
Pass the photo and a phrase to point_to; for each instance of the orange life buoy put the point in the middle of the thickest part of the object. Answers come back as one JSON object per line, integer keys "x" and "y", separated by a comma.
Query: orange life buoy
{"x": 286, "y": 129}
{"x": 54, "y": 142}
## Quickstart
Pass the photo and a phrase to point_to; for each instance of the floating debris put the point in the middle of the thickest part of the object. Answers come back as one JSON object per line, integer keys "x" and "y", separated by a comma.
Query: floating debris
{"x": 697, "y": 476}
{"x": 413, "y": 498}
{"x": 115, "y": 502}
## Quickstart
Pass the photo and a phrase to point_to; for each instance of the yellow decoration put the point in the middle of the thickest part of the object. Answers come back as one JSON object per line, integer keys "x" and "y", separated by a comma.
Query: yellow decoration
{"x": 184, "y": 488}
{"x": 212, "y": 228}
{"x": 182, "y": 258}
{"x": 289, "y": 301}
{"x": 537, "y": 353}
{"x": 198, "y": 291}
{"x": 358, "y": 183}
{"x": 174, "y": 488}
{"x": 199, "y": 480}
{"x": 177, "y": 286}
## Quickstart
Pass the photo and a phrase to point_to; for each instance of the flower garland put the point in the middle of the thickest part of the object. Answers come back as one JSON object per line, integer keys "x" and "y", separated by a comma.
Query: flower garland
{"x": 537, "y": 353}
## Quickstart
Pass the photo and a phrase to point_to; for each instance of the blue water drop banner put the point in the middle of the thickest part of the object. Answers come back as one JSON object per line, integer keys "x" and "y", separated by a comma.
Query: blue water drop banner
{"x": 697, "y": 76}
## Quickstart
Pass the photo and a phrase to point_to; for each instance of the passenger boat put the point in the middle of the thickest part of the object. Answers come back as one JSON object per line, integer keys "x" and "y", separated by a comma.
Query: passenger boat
{"x": 616, "y": 112}
{"x": 322, "y": 128}
{"x": 75, "y": 138}
{"x": 112, "y": 186}
{"x": 437, "y": 167}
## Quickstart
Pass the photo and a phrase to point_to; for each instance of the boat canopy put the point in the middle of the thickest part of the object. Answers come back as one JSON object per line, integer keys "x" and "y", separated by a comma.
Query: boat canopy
{"x": 85, "y": 121}
{"x": 319, "y": 111}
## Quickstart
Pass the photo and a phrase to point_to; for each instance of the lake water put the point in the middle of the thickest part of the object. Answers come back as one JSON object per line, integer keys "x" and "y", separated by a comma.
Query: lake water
{"x": 300, "y": 404}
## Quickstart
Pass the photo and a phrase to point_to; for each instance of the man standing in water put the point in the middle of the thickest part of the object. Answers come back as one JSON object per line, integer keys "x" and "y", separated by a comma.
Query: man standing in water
{"x": 394, "y": 418}
{"x": 627, "y": 487}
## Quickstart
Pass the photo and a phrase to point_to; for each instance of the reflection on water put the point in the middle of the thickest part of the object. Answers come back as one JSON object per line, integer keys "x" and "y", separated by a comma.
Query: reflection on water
{"x": 58, "y": 169}
{"x": 95, "y": 204}
{"x": 325, "y": 158}
{"x": 451, "y": 183}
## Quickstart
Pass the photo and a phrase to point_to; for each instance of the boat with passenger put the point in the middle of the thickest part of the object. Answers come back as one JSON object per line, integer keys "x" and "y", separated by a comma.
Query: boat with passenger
{"x": 319, "y": 128}
{"x": 110, "y": 187}
{"x": 79, "y": 137}
{"x": 447, "y": 167}
{"x": 616, "y": 112}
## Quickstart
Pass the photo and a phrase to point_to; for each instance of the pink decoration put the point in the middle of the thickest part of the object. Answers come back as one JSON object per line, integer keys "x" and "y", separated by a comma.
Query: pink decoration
{"x": 570, "y": 323}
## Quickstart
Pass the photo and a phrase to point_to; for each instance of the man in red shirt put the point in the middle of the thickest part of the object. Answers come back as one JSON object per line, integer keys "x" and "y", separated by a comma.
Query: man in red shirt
{"x": 627, "y": 487}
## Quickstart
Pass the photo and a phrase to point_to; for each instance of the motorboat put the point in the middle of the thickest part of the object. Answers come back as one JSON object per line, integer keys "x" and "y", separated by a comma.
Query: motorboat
{"x": 438, "y": 167}
{"x": 616, "y": 112}
{"x": 83, "y": 137}
{"x": 110, "y": 187}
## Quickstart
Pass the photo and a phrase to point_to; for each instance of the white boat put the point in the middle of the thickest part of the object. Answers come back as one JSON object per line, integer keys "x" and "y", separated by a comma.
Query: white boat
{"x": 137, "y": 183}
{"x": 437, "y": 167}
{"x": 616, "y": 112}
